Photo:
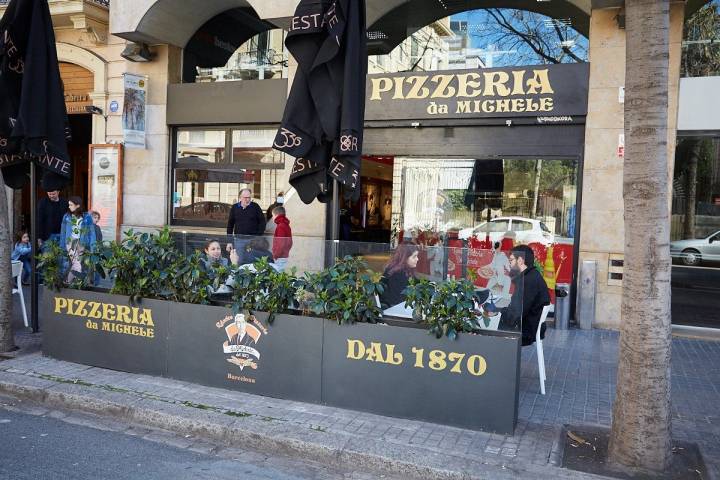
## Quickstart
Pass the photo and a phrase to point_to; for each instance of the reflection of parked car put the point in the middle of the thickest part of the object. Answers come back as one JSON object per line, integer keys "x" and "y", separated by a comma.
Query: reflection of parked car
{"x": 204, "y": 211}
{"x": 526, "y": 230}
{"x": 693, "y": 252}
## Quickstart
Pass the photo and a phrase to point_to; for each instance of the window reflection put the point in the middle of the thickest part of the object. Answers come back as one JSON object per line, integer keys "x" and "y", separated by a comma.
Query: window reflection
{"x": 695, "y": 232}
{"x": 213, "y": 166}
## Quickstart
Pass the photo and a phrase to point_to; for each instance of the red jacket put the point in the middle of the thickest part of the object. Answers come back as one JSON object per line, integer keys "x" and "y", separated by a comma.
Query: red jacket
{"x": 282, "y": 241}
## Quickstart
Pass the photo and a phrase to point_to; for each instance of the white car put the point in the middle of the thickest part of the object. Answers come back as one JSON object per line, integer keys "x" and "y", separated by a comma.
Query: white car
{"x": 693, "y": 252}
{"x": 526, "y": 230}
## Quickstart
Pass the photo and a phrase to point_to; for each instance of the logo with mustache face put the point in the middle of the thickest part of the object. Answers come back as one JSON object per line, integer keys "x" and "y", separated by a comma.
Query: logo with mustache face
{"x": 242, "y": 340}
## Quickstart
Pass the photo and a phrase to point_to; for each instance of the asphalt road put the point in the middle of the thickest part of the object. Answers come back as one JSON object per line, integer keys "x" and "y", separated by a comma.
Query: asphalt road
{"x": 39, "y": 447}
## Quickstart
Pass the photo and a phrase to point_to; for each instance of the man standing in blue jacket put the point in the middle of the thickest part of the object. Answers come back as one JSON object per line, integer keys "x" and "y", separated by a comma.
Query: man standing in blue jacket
{"x": 246, "y": 219}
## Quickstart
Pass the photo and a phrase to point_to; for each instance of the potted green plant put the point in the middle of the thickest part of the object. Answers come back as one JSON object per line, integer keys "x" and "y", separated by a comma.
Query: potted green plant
{"x": 446, "y": 307}
{"x": 346, "y": 292}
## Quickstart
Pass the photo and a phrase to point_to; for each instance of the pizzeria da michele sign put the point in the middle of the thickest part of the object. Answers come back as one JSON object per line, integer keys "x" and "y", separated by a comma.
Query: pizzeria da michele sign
{"x": 528, "y": 91}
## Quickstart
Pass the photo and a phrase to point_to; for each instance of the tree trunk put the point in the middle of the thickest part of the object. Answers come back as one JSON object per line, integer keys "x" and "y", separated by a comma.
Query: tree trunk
{"x": 536, "y": 195}
{"x": 691, "y": 190}
{"x": 640, "y": 437}
{"x": 7, "y": 342}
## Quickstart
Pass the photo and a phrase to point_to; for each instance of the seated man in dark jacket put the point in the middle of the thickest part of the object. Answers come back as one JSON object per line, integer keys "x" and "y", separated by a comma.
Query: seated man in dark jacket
{"x": 528, "y": 298}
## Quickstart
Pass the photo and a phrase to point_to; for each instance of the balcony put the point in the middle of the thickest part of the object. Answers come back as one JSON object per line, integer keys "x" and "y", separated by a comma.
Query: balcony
{"x": 91, "y": 16}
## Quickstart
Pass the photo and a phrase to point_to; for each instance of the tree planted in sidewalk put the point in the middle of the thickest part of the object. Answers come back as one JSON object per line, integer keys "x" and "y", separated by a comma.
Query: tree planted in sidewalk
{"x": 7, "y": 342}
{"x": 640, "y": 437}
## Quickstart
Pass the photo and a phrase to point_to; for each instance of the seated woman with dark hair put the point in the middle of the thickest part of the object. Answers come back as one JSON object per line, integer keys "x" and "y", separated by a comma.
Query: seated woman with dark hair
{"x": 398, "y": 272}
{"x": 213, "y": 255}
{"x": 256, "y": 249}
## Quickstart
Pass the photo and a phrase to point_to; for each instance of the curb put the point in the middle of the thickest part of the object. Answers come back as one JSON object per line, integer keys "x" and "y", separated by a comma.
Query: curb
{"x": 260, "y": 435}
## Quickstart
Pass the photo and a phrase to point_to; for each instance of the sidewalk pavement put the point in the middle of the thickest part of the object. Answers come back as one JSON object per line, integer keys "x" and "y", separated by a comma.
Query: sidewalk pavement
{"x": 581, "y": 369}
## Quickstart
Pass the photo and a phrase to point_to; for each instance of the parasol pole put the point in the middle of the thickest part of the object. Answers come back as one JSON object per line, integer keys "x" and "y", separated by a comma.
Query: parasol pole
{"x": 33, "y": 242}
{"x": 335, "y": 219}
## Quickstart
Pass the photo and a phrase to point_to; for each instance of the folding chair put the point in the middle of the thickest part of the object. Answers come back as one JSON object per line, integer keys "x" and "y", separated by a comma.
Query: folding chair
{"x": 539, "y": 347}
{"x": 17, "y": 269}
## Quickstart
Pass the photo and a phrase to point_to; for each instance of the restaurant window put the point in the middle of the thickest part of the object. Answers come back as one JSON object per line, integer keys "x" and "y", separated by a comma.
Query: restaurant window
{"x": 695, "y": 232}
{"x": 211, "y": 166}
{"x": 262, "y": 57}
{"x": 701, "y": 42}
{"x": 476, "y": 206}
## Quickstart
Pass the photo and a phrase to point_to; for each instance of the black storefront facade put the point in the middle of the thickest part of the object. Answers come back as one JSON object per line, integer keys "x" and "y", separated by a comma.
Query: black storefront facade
{"x": 504, "y": 145}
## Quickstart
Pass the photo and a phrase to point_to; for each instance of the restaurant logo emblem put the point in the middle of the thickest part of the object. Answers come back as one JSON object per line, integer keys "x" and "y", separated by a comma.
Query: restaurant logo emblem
{"x": 242, "y": 339}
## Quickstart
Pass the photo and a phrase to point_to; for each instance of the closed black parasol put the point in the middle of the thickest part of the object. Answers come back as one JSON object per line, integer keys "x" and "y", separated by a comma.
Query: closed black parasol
{"x": 33, "y": 119}
{"x": 323, "y": 122}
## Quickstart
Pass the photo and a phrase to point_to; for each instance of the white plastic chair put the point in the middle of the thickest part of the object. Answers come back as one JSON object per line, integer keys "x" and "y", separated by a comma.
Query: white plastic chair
{"x": 539, "y": 347}
{"x": 17, "y": 268}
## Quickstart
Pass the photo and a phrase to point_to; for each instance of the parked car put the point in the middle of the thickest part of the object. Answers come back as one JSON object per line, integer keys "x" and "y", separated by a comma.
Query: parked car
{"x": 526, "y": 230}
{"x": 693, "y": 252}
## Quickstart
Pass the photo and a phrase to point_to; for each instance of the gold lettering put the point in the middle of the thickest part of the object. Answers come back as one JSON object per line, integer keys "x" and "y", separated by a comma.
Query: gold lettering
{"x": 496, "y": 81}
{"x": 146, "y": 317}
{"x": 546, "y": 104}
{"x": 502, "y": 105}
{"x": 60, "y": 302}
{"x": 531, "y": 105}
{"x": 488, "y": 106}
{"x": 518, "y": 104}
{"x": 108, "y": 311}
{"x": 476, "y": 365}
{"x": 540, "y": 80}
{"x": 398, "y": 95}
{"x": 392, "y": 357}
{"x": 374, "y": 353}
{"x": 80, "y": 310}
{"x": 378, "y": 86}
{"x": 464, "y": 83}
{"x": 355, "y": 349}
{"x": 518, "y": 76}
{"x": 443, "y": 89}
{"x": 463, "y": 106}
{"x": 94, "y": 310}
{"x": 417, "y": 90}
{"x": 123, "y": 314}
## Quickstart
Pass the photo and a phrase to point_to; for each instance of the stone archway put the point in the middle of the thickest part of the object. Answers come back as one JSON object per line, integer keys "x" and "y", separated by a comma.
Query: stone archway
{"x": 69, "y": 53}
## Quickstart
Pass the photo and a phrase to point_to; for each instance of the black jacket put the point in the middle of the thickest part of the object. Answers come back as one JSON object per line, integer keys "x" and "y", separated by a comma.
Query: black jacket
{"x": 33, "y": 119}
{"x": 527, "y": 301}
{"x": 50, "y": 216}
{"x": 246, "y": 221}
{"x": 393, "y": 286}
{"x": 322, "y": 126}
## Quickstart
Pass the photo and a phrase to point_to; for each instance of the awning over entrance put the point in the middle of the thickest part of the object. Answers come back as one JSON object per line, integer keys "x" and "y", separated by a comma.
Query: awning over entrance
{"x": 175, "y": 21}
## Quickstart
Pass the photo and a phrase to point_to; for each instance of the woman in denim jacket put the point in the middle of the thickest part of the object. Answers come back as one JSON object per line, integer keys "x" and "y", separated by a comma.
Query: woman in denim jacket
{"x": 77, "y": 234}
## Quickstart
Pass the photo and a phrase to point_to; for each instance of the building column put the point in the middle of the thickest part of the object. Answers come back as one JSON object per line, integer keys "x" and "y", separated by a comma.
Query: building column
{"x": 602, "y": 228}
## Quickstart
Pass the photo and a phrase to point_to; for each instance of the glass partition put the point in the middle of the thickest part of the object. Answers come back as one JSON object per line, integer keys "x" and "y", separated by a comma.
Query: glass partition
{"x": 487, "y": 273}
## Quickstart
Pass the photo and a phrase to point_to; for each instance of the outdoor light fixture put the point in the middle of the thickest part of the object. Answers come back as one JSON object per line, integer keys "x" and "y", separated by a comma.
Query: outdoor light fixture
{"x": 137, "y": 52}
{"x": 92, "y": 109}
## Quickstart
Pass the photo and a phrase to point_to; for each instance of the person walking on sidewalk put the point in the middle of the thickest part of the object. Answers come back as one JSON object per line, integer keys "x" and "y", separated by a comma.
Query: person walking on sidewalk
{"x": 51, "y": 210}
{"x": 282, "y": 239}
{"x": 246, "y": 219}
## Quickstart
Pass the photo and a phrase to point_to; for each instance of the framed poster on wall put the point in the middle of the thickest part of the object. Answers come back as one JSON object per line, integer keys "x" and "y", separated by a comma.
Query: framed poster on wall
{"x": 105, "y": 187}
